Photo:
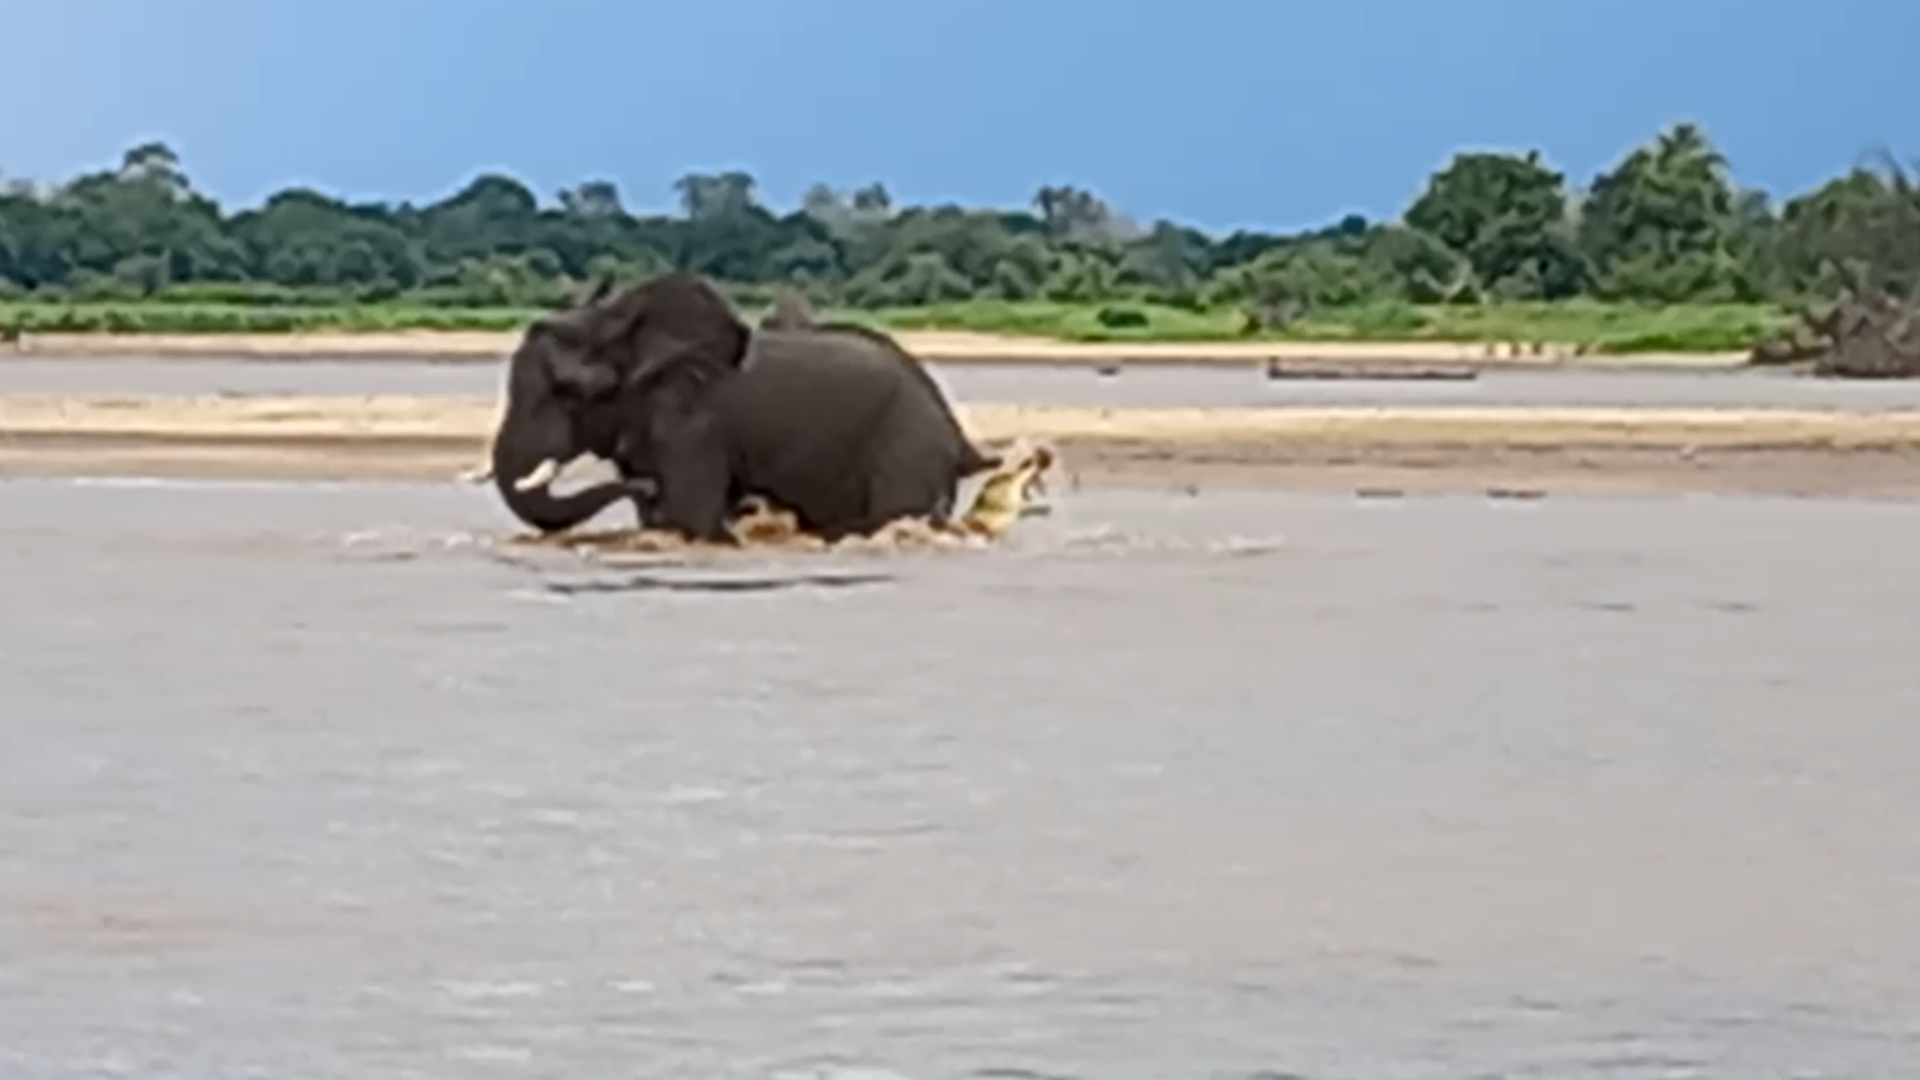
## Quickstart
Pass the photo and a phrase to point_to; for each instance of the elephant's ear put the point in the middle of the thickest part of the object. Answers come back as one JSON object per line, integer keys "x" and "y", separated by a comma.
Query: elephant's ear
{"x": 674, "y": 328}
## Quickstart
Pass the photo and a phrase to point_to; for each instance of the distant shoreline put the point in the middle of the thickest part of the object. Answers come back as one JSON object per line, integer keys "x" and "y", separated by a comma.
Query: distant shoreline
{"x": 1524, "y": 449}
{"x": 1535, "y": 333}
{"x": 945, "y": 347}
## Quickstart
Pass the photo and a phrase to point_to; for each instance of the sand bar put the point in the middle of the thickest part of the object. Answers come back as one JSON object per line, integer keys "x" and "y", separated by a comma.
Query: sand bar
{"x": 947, "y": 347}
{"x": 468, "y": 420}
{"x": 1786, "y": 450}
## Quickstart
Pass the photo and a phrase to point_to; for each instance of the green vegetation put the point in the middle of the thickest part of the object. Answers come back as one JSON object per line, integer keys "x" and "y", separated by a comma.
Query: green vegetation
{"x": 1605, "y": 327}
{"x": 1662, "y": 252}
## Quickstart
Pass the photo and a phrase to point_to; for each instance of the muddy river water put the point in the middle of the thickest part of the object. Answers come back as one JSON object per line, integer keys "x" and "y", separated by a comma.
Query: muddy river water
{"x": 323, "y": 782}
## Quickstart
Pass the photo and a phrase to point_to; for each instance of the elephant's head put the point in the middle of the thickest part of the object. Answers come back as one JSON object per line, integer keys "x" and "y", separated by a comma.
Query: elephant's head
{"x": 552, "y": 401}
{"x": 584, "y": 380}
{"x": 557, "y": 404}
{"x": 675, "y": 328}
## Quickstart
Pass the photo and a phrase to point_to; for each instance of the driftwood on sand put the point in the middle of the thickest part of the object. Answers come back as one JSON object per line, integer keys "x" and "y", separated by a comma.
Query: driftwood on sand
{"x": 1866, "y": 334}
{"x": 1869, "y": 245}
{"x": 1396, "y": 371}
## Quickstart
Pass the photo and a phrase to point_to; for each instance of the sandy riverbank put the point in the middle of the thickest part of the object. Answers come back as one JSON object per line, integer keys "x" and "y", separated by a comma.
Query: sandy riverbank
{"x": 1553, "y": 449}
{"x": 947, "y": 347}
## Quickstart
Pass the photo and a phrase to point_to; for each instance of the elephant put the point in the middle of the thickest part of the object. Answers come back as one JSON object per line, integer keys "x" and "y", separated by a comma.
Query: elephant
{"x": 836, "y": 423}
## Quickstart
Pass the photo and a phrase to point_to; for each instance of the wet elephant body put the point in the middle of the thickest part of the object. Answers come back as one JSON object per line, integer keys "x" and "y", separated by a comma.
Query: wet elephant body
{"x": 832, "y": 424}
{"x": 837, "y": 424}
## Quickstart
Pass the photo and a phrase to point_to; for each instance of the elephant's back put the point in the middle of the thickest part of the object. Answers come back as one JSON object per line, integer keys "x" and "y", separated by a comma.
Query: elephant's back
{"x": 826, "y": 358}
{"x": 829, "y": 384}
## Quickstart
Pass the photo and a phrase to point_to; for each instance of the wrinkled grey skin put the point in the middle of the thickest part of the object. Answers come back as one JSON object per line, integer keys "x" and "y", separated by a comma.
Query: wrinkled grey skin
{"x": 792, "y": 312}
{"x": 837, "y": 424}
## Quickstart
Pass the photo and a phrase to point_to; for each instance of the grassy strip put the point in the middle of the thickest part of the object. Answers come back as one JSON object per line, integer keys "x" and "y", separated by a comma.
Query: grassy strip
{"x": 212, "y": 417}
{"x": 1602, "y": 328}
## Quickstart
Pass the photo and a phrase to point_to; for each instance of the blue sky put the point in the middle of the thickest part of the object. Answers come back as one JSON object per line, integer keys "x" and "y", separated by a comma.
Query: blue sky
{"x": 1218, "y": 113}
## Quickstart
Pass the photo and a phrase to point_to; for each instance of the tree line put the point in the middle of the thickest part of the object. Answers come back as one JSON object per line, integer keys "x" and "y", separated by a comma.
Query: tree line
{"x": 1665, "y": 224}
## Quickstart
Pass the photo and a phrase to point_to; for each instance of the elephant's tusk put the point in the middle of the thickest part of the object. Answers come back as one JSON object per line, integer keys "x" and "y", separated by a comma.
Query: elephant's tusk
{"x": 543, "y": 474}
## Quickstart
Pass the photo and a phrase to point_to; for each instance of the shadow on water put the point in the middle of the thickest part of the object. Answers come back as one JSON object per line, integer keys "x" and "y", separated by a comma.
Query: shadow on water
{"x": 651, "y": 583}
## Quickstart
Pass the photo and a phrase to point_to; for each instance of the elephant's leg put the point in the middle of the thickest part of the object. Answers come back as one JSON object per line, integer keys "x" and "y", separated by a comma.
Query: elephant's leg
{"x": 900, "y": 490}
{"x": 913, "y": 471}
{"x": 695, "y": 480}
{"x": 643, "y": 491}
{"x": 633, "y": 459}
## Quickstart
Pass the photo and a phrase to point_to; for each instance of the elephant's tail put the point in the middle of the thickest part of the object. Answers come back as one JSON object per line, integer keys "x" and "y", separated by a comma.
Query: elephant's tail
{"x": 973, "y": 462}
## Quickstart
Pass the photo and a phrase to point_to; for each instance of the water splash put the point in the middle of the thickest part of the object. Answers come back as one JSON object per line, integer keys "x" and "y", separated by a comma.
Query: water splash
{"x": 1008, "y": 494}
{"x": 1008, "y": 515}
{"x": 646, "y": 583}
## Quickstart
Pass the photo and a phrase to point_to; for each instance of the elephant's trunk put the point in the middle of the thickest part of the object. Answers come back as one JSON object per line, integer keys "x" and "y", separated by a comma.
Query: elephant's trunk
{"x": 521, "y": 448}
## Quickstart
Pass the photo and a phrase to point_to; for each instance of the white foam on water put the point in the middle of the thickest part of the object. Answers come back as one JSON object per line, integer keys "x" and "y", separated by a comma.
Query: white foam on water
{"x": 1111, "y": 540}
{"x": 690, "y": 794}
{"x": 841, "y": 1072}
{"x": 491, "y": 990}
{"x": 493, "y": 1055}
{"x": 1248, "y": 545}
